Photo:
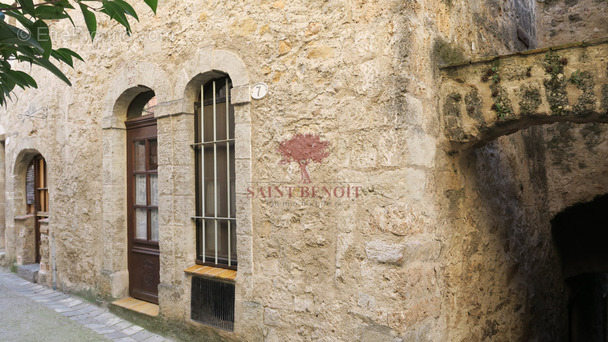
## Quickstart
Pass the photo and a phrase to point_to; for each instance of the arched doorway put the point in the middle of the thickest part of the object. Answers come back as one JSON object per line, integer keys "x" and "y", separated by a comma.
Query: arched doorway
{"x": 37, "y": 197}
{"x": 581, "y": 234}
{"x": 142, "y": 198}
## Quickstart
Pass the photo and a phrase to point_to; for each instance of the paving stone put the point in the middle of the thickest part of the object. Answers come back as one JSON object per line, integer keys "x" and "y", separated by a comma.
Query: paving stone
{"x": 80, "y": 318}
{"x": 94, "y": 326}
{"x": 78, "y": 307}
{"x": 122, "y": 325}
{"x": 132, "y": 330}
{"x": 71, "y": 313}
{"x": 142, "y": 335}
{"x": 104, "y": 317}
{"x": 86, "y": 314}
{"x": 87, "y": 309}
{"x": 74, "y": 303}
{"x": 112, "y": 321}
{"x": 115, "y": 335}
{"x": 97, "y": 312}
{"x": 104, "y": 330}
{"x": 125, "y": 339}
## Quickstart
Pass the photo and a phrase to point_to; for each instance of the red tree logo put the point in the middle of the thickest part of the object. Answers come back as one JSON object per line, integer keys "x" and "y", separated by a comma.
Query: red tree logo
{"x": 302, "y": 149}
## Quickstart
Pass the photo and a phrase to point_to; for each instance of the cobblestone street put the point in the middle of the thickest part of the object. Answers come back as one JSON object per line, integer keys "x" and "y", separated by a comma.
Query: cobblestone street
{"x": 31, "y": 312}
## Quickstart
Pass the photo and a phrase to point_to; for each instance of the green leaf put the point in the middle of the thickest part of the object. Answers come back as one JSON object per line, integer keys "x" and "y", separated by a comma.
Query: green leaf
{"x": 27, "y": 6}
{"x": 90, "y": 20}
{"x": 71, "y": 53}
{"x": 51, "y": 12}
{"x": 21, "y": 79}
{"x": 20, "y": 17}
{"x": 152, "y": 4}
{"x": 117, "y": 13}
{"x": 65, "y": 55}
{"x": 61, "y": 3}
{"x": 40, "y": 32}
{"x": 29, "y": 80}
{"x": 127, "y": 8}
{"x": 21, "y": 35}
{"x": 45, "y": 63}
{"x": 62, "y": 57}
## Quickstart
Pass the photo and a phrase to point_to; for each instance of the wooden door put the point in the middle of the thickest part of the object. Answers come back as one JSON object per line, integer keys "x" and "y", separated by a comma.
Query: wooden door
{"x": 37, "y": 197}
{"x": 142, "y": 181}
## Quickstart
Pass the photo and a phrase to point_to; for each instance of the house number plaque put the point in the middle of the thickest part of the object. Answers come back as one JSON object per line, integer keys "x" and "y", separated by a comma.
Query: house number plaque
{"x": 259, "y": 90}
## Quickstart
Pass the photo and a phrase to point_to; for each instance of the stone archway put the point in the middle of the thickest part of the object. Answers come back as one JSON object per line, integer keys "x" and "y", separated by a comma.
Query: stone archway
{"x": 28, "y": 230}
{"x": 519, "y": 157}
{"x": 135, "y": 79}
{"x": 492, "y": 97}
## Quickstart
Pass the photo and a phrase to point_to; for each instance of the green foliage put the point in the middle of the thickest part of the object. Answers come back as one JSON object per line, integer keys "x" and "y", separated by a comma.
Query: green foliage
{"x": 576, "y": 77}
{"x": 30, "y": 41}
{"x": 501, "y": 109}
{"x": 491, "y": 73}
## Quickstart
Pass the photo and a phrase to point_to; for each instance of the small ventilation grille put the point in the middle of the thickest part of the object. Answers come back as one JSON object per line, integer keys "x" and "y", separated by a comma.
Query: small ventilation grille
{"x": 213, "y": 303}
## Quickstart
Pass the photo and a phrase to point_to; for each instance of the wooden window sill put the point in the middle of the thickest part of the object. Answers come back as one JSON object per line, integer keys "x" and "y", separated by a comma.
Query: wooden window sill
{"x": 212, "y": 272}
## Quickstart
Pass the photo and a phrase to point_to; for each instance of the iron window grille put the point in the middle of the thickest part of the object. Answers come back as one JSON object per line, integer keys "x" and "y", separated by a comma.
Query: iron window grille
{"x": 215, "y": 176}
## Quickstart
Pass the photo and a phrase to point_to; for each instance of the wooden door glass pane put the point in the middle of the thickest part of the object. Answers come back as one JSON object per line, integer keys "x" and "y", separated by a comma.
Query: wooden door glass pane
{"x": 153, "y": 154}
{"x": 153, "y": 189}
{"x": 154, "y": 224}
{"x": 139, "y": 155}
{"x": 140, "y": 190}
{"x": 141, "y": 223}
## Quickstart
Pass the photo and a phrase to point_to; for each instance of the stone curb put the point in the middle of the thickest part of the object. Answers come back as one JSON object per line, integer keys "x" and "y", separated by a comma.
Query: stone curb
{"x": 88, "y": 315}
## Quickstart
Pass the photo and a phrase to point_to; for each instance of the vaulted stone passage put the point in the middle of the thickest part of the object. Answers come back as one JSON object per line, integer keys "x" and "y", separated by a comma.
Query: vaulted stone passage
{"x": 491, "y": 97}
{"x": 580, "y": 235}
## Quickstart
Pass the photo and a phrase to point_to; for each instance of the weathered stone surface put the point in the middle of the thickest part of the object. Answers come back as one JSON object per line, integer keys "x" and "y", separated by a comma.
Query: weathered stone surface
{"x": 523, "y": 90}
{"x": 568, "y": 21}
{"x": 436, "y": 246}
{"x": 381, "y": 252}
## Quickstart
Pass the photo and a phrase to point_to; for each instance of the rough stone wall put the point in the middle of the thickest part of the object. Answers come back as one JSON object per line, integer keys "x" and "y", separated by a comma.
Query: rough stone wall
{"x": 569, "y": 21}
{"x": 503, "y": 273}
{"x": 363, "y": 75}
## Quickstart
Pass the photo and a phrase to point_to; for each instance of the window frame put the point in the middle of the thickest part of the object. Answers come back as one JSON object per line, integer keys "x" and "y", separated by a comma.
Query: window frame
{"x": 203, "y": 178}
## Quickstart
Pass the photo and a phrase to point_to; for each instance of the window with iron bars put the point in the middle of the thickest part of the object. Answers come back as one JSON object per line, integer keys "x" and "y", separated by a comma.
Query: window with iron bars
{"x": 215, "y": 176}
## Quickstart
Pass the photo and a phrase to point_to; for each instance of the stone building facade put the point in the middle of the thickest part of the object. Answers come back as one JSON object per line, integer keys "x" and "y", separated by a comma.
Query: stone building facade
{"x": 428, "y": 215}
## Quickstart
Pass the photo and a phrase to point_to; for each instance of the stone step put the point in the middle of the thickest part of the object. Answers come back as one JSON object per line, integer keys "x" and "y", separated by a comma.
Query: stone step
{"x": 29, "y": 272}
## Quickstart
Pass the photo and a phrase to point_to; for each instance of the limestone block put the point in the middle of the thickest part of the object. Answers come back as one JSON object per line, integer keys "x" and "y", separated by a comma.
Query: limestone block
{"x": 248, "y": 323}
{"x": 272, "y": 317}
{"x": 240, "y": 95}
{"x": 385, "y": 253}
{"x": 184, "y": 209}
{"x": 420, "y": 148}
{"x": 183, "y": 181}
{"x": 242, "y": 141}
{"x": 415, "y": 250}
